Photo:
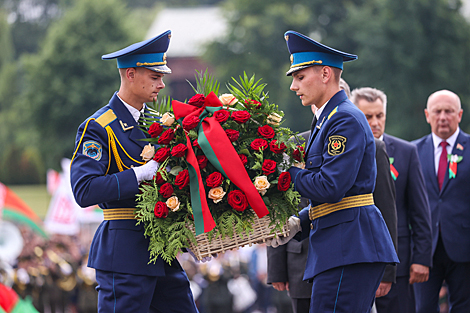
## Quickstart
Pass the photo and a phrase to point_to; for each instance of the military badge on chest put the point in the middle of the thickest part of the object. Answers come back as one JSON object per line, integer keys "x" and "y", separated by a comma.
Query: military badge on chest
{"x": 336, "y": 145}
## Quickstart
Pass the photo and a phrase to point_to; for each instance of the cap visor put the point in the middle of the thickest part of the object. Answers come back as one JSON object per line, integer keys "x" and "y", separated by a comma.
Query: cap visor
{"x": 298, "y": 68}
{"x": 160, "y": 69}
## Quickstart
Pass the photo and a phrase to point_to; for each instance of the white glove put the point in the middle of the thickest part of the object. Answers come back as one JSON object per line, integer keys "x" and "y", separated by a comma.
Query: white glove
{"x": 204, "y": 259}
{"x": 294, "y": 227}
{"x": 146, "y": 171}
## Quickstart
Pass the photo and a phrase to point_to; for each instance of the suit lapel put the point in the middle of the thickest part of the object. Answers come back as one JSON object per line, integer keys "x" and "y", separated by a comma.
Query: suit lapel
{"x": 428, "y": 167}
{"x": 461, "y": 140}
{"x": 389, "y": 146}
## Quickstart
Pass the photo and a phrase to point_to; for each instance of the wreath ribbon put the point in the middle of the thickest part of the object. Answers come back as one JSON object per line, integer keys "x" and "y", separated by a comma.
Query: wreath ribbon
{"x": 220, "y": 152}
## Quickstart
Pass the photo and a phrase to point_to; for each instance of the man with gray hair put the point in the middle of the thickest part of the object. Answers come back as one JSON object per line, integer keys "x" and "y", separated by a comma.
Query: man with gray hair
{"x": 414, "y": 221}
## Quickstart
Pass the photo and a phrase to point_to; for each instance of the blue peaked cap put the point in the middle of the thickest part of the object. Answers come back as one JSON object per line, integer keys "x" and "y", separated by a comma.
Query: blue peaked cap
{"x": 150, "y": 54}
{"x": 307, "y": 52}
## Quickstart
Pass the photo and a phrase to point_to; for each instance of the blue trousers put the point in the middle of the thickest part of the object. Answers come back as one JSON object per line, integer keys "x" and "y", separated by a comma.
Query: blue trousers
{"x": 457, "y": 277}
{"x": 346, "y": 289}
{"x": 119, "y": 292}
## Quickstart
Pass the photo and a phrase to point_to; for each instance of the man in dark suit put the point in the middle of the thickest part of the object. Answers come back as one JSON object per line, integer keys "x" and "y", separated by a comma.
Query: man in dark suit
{"x": 348, "y": 239}
{"x": 286, "y": 263}
{"x": 445, "y": 157}
{"x": 414, "y": 218}
{"x": 107, "y": 169}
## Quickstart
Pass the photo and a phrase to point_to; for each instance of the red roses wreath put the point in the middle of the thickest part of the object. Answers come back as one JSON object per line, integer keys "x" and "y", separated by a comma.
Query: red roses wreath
{"x": 222, "y": 167}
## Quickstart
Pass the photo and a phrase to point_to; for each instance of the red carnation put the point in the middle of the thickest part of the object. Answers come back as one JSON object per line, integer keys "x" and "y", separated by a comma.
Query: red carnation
{"x": 283, "y": 182}
{"x": 202, "y": 161}
{"x": 243, "y": 158}
{"x": 269, "y": 166}
{"x": 179, "y": 150}
{"x": 252, "y": 102}
{"x": 298, "y": 153}
{"x": 258, "y": 144}
{"x": 214, "y": 180}
{"x": 196, "y": 144}
{"x": 241, "y": 116}
{"x": 221, "y": 116}
{"x": 159, "y": 179}
{"x": 277, "y": 148}
{"x": 162, "y": 154}
{"x": 190, "y": 122}
{"x": 197, "y": 100}
{"x": 155, "y": 130}
{"x": 166, "y": 190}
{"x": 237, "y": 200}
{"x": 160, "y": 210}
{"x": 166, "y": 137}
{"x": 232, "y": 134}
{"x": 266, "y": 131}
{"x": 182, "y": 179}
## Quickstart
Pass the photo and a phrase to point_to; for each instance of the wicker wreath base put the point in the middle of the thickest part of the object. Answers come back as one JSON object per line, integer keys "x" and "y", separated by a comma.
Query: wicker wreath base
{"x": 260, "y": 233}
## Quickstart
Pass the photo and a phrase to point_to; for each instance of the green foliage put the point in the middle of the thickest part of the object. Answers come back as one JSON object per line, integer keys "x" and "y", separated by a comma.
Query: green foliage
{"x": 407, "y": 48}
{"x": 67, "y": 80}
{"x": 205, "y": 83}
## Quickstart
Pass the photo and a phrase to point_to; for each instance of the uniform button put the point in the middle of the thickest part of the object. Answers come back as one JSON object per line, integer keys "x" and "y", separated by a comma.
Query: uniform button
{"x": 310, "y": 162}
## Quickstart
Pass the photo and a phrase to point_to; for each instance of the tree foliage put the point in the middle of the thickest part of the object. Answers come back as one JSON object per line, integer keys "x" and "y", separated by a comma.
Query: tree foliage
{"x": 407, "y": 48}
{"x": 67, "y": 80}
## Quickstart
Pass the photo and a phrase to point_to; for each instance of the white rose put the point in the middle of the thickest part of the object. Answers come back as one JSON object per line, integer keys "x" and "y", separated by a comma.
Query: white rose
{"x": 148, "y": 152}
{"x": 216, "y": 194}
{"x": 262, "y": 184}
{"x": 228, "y": 99}
{"x": 173, "y": 203}
{"x": 274, "y": 119}
{"x": 167, "y": 119}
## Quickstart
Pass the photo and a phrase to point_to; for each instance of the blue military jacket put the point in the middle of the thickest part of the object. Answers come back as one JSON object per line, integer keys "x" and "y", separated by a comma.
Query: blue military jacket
{"x": 349, "y": 236}
{"x": 118, "y": 245}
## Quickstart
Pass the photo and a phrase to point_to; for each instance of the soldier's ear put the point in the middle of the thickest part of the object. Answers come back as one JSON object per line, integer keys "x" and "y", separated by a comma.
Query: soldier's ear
{"x": 131, "y": 73}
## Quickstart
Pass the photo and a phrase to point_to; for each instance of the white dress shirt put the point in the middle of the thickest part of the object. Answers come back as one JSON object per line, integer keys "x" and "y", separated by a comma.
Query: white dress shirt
{"x": 134, "y": 112}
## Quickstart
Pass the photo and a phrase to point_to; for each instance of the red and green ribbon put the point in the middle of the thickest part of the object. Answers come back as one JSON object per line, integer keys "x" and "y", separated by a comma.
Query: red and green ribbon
{"x": 220, "y": 152}
{"x": 393, "y": 170}
{"x": 453, "y": 160}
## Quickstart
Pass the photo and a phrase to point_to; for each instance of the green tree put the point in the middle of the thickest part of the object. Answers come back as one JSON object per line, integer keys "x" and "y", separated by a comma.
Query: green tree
{"x": 408, "y": 48}
{"x": 67, "y": 80}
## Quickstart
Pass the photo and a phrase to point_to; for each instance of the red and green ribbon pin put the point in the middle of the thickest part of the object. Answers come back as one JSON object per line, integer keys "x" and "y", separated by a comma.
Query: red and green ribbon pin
{"x": 393, "y": 170}
{"x": 453, "y": 160}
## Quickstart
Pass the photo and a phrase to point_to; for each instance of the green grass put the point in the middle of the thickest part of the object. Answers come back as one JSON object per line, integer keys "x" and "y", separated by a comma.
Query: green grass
{"x": 35, "y": 196}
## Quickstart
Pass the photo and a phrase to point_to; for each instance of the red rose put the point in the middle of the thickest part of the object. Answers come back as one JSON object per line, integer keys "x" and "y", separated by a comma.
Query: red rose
{"x": 162, "y": 154}
{"x": 159, "y": 179}
{"x": 202, "y": 161}
{"x": 232, "y": 134}
{"x": 166, "y": 190}
{"x": 277, "y": 148}
{"x": 155, "y": 130}
{"x": 269, "y": 166}
{"x": 221, "y": 116}
{"x": 252, "y": 102}
{"x": 197, "y": 100}
{"x": 298, "y": 153}
{"x": 166, "y": 137}
{"x": 196, "y": 144}
{"x": 237, "y": 200}
{"x": 160, "y": 210}
{"x": 182, "y": 179}
{"x": 190, "y": 122}
{"x": 283, "y": 182}
{"x": 243, "y": 158}
{"x": 179, "y": 150}
{"x": 241, "y": 116}
{"x": 214, "y": 180}
{"x": 266, "y": 131}
{"x": 258, "y": 144}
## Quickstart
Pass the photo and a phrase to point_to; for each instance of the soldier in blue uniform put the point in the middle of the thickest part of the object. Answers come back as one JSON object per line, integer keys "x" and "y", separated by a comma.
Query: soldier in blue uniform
{"x": 106, "y": 170}
{"x": 349, "y": 243}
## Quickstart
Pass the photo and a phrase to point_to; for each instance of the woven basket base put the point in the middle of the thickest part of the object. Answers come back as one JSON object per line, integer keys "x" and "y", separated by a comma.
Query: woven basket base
{"x": 261, "y": 232}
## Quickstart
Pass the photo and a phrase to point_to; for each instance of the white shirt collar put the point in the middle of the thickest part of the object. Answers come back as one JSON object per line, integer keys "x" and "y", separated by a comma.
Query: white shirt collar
{"x": 451, "y": 140}
{"x": 134, "y": 112}
{"x": 320, "y": 110}
{"x": 381, "y": 137}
